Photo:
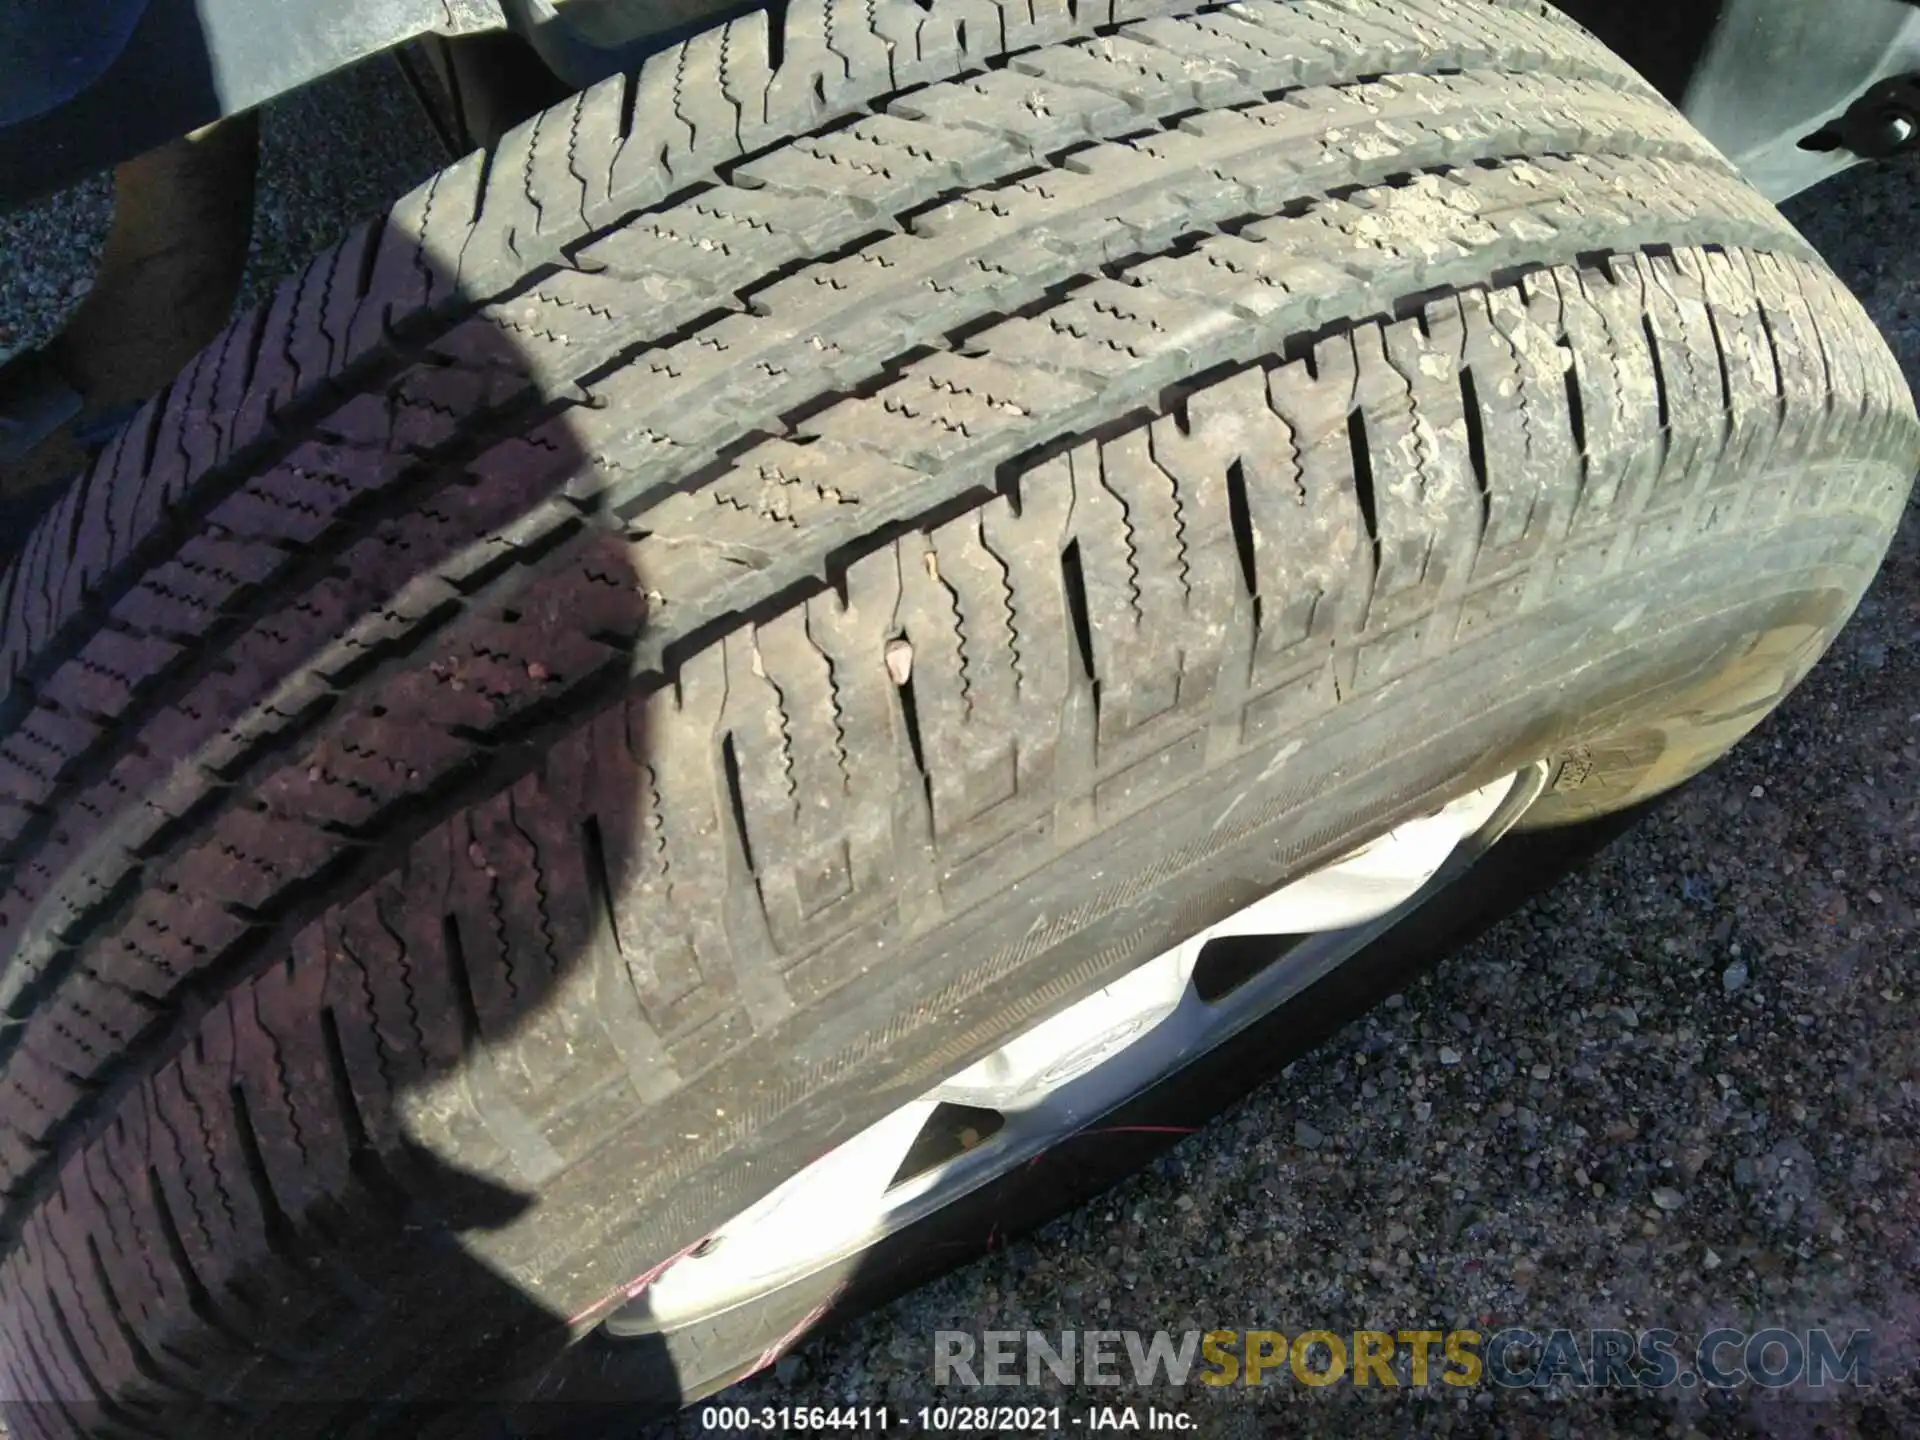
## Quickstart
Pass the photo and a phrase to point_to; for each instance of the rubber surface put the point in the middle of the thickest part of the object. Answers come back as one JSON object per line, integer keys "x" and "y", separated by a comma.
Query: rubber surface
{"x": 535, "y": 732}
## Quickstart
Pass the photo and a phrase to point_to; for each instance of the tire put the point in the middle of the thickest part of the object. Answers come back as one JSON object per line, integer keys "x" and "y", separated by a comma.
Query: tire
{"x": 797, "y": 565}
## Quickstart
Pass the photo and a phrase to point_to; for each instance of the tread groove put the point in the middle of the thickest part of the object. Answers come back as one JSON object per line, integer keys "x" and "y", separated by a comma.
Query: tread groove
{"x": 461, "y": 973}
{"x": 1477, "y": 442}
{"x": 1577, "y": 408}
{"x": 1363, "y": 478}
{"x": 593, "y": 846}
{"x": 143, "y": 1358}
{"x": 363, "y": 1156}
{"x": 736, "y": 798}
{"x": 109, "y": 1408}
{"x": 199, "y": 1297}
{"x": 1240, "y": 518}
{"x": 1073, "y": 577}
{"x": 279, "y": 1226}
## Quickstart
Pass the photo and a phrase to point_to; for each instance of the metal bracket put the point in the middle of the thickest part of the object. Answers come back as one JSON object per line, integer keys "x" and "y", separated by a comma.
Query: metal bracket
{"x": 1881, "y": 124}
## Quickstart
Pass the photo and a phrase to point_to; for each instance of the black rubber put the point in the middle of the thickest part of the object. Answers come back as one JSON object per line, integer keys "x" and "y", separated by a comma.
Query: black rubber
{"x": 802, "y": 562}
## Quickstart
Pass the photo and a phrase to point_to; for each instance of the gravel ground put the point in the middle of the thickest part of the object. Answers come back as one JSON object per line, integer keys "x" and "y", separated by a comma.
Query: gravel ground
{"x": 1682, "y": 1090}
